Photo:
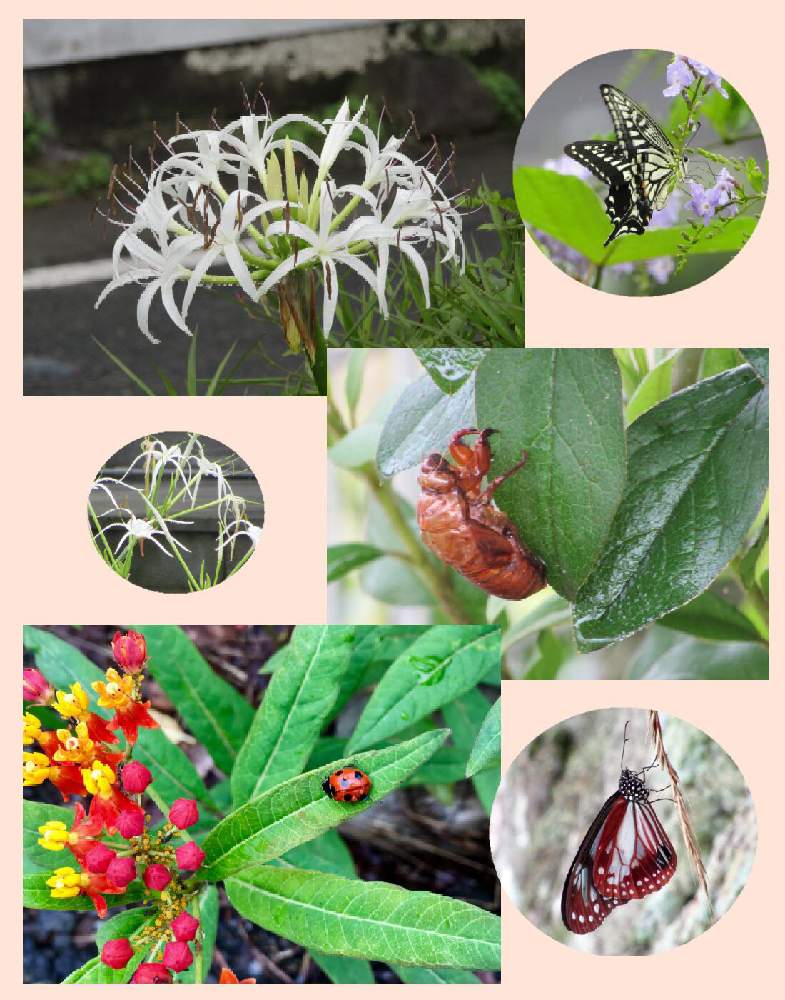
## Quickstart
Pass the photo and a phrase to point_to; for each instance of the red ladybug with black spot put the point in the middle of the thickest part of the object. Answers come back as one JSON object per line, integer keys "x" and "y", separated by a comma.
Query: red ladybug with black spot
{"x": 347, "y": 784}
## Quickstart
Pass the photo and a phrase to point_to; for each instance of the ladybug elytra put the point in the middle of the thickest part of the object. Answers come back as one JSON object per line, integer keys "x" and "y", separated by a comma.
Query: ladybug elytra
{"x": 347, "y": 784}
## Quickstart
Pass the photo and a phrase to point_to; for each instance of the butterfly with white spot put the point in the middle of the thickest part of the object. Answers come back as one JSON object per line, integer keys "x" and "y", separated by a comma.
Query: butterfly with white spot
{"x": 641, "y": 168}
{"x": 626, "y": 854}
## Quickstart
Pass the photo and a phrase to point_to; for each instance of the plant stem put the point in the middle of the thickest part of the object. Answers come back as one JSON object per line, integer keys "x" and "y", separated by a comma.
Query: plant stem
{"x": 297, "y": 308}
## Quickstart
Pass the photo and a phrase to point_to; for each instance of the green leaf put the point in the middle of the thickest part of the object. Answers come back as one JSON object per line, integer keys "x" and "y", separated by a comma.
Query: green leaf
{"x": 357, "y": 447}
{"x": 375, "y": 648}
{"x": 174, "y": 776}
{"x": 354, "y": 376}
{"x": 298, "y": 810}
{"x": 62, "y": 664}
{"x": 296, "y": 705}
{"x": 391, "y": 579}
{"x": 711, "y": 617}
{"x": 35, "y": 814}
{"x": 758, "y": 357}
{"x": 208, "y": 928}
{"x": 698, "y": 471}
{"x": 425, "y": 977}
{"x": 343, "y": 559}
{"x": 128, "y": 923}
{"x": 372, "y": 920}
{"x": 694, "y": 659}
{"x": 439, "y": 667}
{"x": 123, "y": 924}
{"x": 37, "y": 894}
{"x": 653, "y": 388}
{"x": 564, "y": 408}
{"x": 569, "y": 210}
{"x": 487, "y": 748}
{"x": 213, "y": 711}
{"x": 548, "y": 657}
{"x": 423, "y": 420}
{"x": 450, "y": 367}
{"x": 544, "y": 610}
{"x": 718, "y": 359}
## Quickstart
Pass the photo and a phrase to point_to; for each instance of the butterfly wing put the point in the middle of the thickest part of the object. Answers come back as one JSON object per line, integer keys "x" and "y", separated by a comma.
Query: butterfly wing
{"x": 634, "y": 855}
{"x": 606, "y": 160}
{"x": 583, "y": 907}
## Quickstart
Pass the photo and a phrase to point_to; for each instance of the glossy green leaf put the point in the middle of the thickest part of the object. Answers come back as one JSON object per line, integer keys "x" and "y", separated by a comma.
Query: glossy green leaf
{"x": 450, "y": 367}
{"x": 343, "y": 559}
{"x": 375, "y": 648}
{"x": 294, "y": 710}
{"x": 487, "y": 748}
{"x": 63, "y": 664}
{"x": 422, "y": 421}
{"x": 298, "y": 810}
{"x": 372, "y": 920}
{"x": 427, "y": 977}
{"x": 212, "y": 710}
{"x": 174, "y": 776}
{"x": 123, "y": 924}
{"x": 758, "y": 357}
{"x": 698, "y": 472}
{"x": 440, "y": 666}
{"x": 564, "y": 408}
{"x": 693, "y": 659}
{"x": 711, "y": 617}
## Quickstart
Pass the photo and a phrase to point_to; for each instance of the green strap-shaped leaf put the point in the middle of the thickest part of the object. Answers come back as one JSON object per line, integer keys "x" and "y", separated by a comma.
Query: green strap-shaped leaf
{"x": 372, "y": 920}
{"x": 298, "y": 810}
{"x": 37, "y": 894}
{"x": 564, "y": 408}
{"x": 63, "y": 665}
{"x": 213, "y": 711}
{"x": 698, "y": 472}
{"x": 440, "y": 666}
{"x": 174, "y": 776}
{"x": 427, "y": 977}
{"x": 343, "y": 559}
{"x": 296, "y": 705}
{"x": 487, "y": 748}
{"x": 711, "y": 617}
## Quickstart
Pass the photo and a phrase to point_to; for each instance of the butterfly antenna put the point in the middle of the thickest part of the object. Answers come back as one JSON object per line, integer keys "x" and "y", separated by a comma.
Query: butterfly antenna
{"x": 624, "y": 743}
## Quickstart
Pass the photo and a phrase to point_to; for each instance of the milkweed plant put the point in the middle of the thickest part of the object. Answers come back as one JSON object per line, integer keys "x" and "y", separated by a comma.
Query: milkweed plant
{"x": 248, "y": 199}
{"x": 697, "y": 214}
{"x": 174, "y": 475}
{"x": 139, "y": 832}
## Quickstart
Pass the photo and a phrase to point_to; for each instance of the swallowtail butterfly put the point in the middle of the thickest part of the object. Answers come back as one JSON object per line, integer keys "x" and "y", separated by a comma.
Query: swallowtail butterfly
{"x": 641, "y": 168}
{"x": 626, "y": 854}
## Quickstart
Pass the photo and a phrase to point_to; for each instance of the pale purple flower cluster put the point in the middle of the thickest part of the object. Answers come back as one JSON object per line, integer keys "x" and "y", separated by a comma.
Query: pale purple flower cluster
{"x": 706, "y": 202}
{"x": 683, "y": 72}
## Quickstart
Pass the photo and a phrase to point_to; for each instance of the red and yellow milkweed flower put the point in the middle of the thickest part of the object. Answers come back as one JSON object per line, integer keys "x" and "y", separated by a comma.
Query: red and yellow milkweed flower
{"x": 121, "y": 694}
{"x": 66, "y": 882}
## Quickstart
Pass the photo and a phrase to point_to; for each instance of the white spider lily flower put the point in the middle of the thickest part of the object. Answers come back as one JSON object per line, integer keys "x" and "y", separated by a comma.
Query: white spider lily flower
{"x": 137, "y": 527}
{"x": 341, "y": 127}
{"x": 330, "y": 248}
{"x": 241, "y": 527}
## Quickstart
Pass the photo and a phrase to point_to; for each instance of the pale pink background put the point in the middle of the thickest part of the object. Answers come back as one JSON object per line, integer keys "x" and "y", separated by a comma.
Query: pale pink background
{"x": 53, "y": 575}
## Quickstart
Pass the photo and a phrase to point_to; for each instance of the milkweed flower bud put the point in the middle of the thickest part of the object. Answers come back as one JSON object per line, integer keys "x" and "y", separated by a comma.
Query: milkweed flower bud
{"x": 130, "y": 651}
{"x": 135, "y": 777}
{"x": 184, "y": 813}
{"x": 189, "y": 856}
{"x": 177, "y": 956}
{"x": 98, "y": 859}
{"x": 157, "y": 877}
{"x": 184, "y": 927}
{"x": 130, "y": 823}
{"x": 151, "y": 972}
{"x": 35, "y": 687}
{"x": 121, "y": 872}
{"x": 117, "y": 953}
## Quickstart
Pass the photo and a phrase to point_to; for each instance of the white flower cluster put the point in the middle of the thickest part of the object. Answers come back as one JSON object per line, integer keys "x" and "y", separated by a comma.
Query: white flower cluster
{"x": 164, "y": 495}
{"x": 222, "y": 202}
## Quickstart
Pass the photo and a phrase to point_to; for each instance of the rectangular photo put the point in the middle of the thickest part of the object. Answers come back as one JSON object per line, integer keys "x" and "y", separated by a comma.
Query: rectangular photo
{"x": 606, "y": 509}
{"x": 260, "y": 804}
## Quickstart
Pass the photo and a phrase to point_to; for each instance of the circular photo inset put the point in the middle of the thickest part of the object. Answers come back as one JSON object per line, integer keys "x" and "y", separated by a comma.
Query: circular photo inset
{"x": 629, "y": 811}
{"x": 640, "y": 172}
{"x": 175, "y": 512}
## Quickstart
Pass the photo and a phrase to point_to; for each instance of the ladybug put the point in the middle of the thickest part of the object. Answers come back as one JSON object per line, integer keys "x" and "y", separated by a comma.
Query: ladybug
{"x": 347, "y": 784}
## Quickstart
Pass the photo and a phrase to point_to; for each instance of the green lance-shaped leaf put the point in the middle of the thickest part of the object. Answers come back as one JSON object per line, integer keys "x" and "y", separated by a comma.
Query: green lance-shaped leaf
{"x": 440, "y": 666}
{"x": 693, "y": 659}
{"x": 298, "y": 810}
{"x": 344, "y": 559}
{"x": 427, "y": 977}
{"x": 37, "y": 894}
{"x": 205, "y": 939}
{"x": 296, "y": 705}
{"x": 372, "y": 920}
{"x": 63, "y": 665}
{"x": 564, "y": 408}
{"x": 698, "y": 472}
{"x": 174, "y": 776}
{"x": 487, "y": 748}
{"x": 213, "y": 711}
{"x": 711, "y": 617}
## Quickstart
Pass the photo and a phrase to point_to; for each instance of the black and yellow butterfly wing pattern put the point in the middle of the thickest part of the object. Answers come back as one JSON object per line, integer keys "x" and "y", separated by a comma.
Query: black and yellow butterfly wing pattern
{"x": 640, "y": 168}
